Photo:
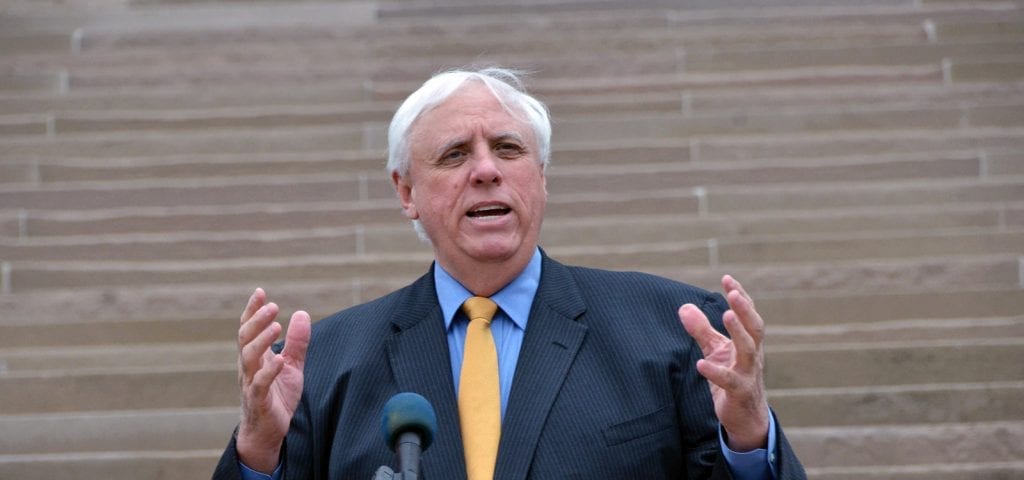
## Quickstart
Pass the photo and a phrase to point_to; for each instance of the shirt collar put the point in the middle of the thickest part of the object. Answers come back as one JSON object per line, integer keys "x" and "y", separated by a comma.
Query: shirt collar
{"x": 515, "y": 299}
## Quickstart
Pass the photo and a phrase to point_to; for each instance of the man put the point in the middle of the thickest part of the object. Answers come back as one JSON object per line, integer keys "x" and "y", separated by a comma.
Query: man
{"x": 595, "y": 376}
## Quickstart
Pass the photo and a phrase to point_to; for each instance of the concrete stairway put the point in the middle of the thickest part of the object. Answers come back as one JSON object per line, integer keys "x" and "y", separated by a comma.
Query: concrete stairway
{"x": 858, "y": 167}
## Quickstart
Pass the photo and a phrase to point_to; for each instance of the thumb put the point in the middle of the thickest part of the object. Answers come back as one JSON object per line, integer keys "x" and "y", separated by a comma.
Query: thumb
{"x": 297, "y": 338}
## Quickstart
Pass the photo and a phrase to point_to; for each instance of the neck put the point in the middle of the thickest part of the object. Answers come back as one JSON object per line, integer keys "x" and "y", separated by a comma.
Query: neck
{"x": 487, "y": 278}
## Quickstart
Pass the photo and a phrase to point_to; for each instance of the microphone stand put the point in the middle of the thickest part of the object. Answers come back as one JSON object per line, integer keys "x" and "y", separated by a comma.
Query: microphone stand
{"x": 408, "y": 449}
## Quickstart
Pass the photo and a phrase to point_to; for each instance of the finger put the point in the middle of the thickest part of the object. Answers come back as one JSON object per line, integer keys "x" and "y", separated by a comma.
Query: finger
{"x": 256, "y": 300}
{"x": 744, "y": 309}
{"x": 744, "y": 345}
{"x": 698, "y": 326}
{"x": 297, "y": 339}
{"x": 256, "y": 353}
{"x": 264, "y": 378}
{"x": 730, "y": 284}
{"x": 719, "y": 375}
{"x": 256, "y": 324}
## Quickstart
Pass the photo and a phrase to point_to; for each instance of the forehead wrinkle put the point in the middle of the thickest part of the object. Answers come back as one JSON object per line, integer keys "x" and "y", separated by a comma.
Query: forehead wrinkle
{"x": 464, "y": 119}
{"x": 461, "y": 140}
{"x": 509, "y": 135}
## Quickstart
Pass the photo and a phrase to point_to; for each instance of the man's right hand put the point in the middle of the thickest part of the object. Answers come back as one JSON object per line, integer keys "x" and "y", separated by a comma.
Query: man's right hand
{"x": 271, "y": 383}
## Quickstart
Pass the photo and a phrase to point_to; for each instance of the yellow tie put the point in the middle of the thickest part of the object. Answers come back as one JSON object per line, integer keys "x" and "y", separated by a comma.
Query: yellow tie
{"x": 479, "y": 396}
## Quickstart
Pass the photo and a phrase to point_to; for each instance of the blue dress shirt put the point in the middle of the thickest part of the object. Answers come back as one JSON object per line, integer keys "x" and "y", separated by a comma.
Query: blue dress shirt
{"x": 509, "y": 327}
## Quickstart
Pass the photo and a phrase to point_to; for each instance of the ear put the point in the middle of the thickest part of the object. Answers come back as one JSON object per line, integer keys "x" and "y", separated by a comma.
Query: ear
{"x": 404, "y": 189}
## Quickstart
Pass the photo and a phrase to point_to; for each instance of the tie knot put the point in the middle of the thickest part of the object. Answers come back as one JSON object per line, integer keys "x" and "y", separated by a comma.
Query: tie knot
{"x": 480, "y": 308}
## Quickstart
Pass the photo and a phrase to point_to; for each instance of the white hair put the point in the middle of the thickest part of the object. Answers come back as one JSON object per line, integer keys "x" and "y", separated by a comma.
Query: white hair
{"x": 507, "y": 89}
{"x": 503, "y": 83}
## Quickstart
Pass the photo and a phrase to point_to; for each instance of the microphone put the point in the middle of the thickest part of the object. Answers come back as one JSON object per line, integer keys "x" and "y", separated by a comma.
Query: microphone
{"x": 408, "y": 423}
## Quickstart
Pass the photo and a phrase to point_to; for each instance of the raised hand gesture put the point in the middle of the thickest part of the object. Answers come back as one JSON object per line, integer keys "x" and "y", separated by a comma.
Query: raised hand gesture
{"x": 271, "y": 382}
{"x": 734, "y": 367}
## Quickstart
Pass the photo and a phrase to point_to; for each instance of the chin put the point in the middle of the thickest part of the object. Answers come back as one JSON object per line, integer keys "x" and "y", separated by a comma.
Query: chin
{"x": 496, "y": 251}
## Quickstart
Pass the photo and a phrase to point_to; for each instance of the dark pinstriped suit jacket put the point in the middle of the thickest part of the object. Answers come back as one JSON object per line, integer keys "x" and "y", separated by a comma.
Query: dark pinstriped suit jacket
{"x": 605, "y": 386}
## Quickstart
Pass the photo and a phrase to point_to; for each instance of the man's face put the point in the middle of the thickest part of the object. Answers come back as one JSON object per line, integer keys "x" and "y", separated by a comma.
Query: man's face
{"x": 474, "y": 181}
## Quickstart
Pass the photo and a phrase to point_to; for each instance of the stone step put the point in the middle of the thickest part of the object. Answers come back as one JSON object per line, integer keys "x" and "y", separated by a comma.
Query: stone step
{"x": 185, "y": 429}
{"x": 1003, "y": 163}
{"x": 199, "y": 464}
{"x": 90, "y": 316}
{"x": 812, "y": 55}
{"x": 188, "y": 99}
{"x": 685, "y": 261}
{"x": 654, "y": 177}
{"x": 851, "y": 143}
{"x": 101, "y": 383}
{"x": 23, "y": 125}
{"x": 107, "y": 465}
{"x": 909, "y": 445}
{"x": 34, "y": 43}
{"x": 246, "y": 271}
{"x": 612, "y": 31}
{"x": 850, "y": 76}
{"x": 899, "y": 404}
{"x": 110, "y": 137}
{"x": 275, "y": 216}
{"x": 198, "y": 192}
{"x": 352, "y": 98}
{"x": 69, "y": 360}
{"x": 738, "y": 238}
{"x": 200, "y": 166}
{"x": 670, "y": 126}
{"x": 121, "y": 389}
{"x": 802, "y": 97}
{"x": 120, "y": 332}
{"x": 578, "y": 161}
{"x": 122, "y": 144}
{"x": 33, "y": 83}
{"x": 727, "y": 199}
{"x": 120, "y": 29}
{"x": 355, "y": 114}
{"x": 203, "y": 305}
{"x": 668, "y": 237}
{"x": 1009, "y": 470}
{"x": 23, "y": 360}
{"x": 970, "y": 328}
{"x": 857, "y": 174}
{"x": 989, "y": 209}
{"x": 895, "y": 363}
{"x": 1010, "y": 68}
{"x": 389, "y": 90}
{"x": 130, "y": 430}
{"x": 622, "y": 34}
{"x": 583, "y": 228}
{"x": 824, "y": 307}
{"x": 179, "y": 120}
{"x": 606, "y": 54}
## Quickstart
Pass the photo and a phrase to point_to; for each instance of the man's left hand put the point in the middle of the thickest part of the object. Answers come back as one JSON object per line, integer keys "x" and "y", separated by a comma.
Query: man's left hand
{"x": 734, "y": 367}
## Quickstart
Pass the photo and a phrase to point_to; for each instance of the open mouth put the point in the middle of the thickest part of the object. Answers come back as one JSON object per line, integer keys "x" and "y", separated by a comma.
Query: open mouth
{"x": 488, "y": 211}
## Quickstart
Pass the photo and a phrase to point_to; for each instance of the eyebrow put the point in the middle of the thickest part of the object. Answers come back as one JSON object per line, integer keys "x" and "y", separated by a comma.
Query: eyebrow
{"x": 501, "y": 136}
{"x": 509, "y": 136}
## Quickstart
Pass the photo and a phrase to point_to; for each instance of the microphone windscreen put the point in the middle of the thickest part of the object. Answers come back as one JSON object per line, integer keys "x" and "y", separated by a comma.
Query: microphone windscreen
{"x": 406, "y": 412}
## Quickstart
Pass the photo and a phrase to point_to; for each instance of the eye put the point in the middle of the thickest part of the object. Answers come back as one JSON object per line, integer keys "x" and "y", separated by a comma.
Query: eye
{"x": 507, "y": 149}
{"x": 452, "y": 156}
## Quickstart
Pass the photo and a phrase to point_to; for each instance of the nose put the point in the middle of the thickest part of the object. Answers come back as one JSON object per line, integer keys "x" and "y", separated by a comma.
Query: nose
{"x": 486, "y": 170}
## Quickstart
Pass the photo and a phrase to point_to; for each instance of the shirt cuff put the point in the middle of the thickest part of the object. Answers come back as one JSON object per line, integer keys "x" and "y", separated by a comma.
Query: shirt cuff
{"x": 250, "y": 474}
{"x": 758, "y": 464}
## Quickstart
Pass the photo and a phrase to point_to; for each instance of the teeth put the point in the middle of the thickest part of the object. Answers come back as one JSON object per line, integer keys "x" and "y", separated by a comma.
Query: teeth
{"x": 488, "y": 211}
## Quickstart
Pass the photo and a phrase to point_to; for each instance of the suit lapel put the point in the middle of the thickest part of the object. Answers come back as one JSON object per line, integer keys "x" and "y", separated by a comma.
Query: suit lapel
{"x": 418, "y": 354}
{"x": 553, "y": 338}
